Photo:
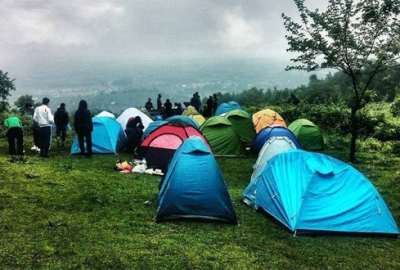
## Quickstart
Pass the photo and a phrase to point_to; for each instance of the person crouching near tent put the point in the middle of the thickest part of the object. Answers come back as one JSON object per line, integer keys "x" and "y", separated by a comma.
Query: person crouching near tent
{"x": 45, "y": 119}
{"x": 84, "y": 126}
{"x": 134, "y": 132}
{"x": 14, "y": 133}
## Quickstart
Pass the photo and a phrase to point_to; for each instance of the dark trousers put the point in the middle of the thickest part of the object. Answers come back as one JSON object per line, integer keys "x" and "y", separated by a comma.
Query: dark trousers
{"x": 15, "y": 133}
{"x": 84, "y": 135}
{"x": 44, "y": 140}
{"x": 35, "y": 131}
{"x": 61, "y": 131}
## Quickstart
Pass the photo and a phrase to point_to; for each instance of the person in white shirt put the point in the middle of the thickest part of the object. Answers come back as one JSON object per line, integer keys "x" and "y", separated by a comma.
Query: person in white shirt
{"x": 45, "y": 119}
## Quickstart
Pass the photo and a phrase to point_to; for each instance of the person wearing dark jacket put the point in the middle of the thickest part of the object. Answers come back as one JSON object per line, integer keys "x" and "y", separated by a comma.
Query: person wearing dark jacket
{"x": 84, "y": 126}
{"x": 159, "y": 103}
{"x": 61, "y": 119}
{"x": 168, "y": 108}
{"x": 149, "y": 105}
{"x": 134, "y": 132}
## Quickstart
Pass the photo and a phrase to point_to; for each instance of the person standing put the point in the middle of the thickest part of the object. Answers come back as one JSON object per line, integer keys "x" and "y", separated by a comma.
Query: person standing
{"x": 159, "y": 103}
{"x": 14, "y": 133}
{"x": 61, "y": 118}
{"x": 149, "y": 105}
{"x": 45, "y": 119}
{"x": 35, "y": 127}
{"x": 84, "y": 126}
{"x": 168, "y": 108}
{"x": 215, "y": 104}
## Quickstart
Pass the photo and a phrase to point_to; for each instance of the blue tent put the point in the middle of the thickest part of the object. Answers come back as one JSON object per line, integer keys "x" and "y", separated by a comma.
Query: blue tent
{"x": 265, "y": 134}
{"x": 107, "y": 136}
{"x": 310, "y": 193}
{"x": 182, "y": 118}
{"x": 227, "y": 107}
{"x": 193, "y": 186}
{"x": 153, "y": 126}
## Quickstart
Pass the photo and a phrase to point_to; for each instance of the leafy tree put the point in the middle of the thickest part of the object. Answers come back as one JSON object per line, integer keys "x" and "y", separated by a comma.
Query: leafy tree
{"x": 22, "y": 101}
{"x": 359, "y": 38}
{"x": 6, "y": 86}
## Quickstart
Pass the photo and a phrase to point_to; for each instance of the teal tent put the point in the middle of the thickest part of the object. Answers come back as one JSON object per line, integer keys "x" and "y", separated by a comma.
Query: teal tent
{"x": 107, "y": 137}
{"x": 313, "y": 193}
{"x": 193, "y": 186}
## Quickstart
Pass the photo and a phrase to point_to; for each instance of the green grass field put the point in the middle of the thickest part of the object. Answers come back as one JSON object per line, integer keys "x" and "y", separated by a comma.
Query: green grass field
{"x": 70, "y": 212}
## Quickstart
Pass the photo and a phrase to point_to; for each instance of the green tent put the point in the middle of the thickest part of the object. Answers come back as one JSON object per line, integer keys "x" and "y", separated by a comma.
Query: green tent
{"x": 243, "y": 124}
{"x": 222, "y": 137}
{"x": 308, "y": 134}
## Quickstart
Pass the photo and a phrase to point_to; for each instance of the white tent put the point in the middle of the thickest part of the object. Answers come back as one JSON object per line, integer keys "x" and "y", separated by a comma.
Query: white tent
{"x": 105, "y": 114}
{"x": 274, "y": 146}
{"x": 133, "y": 112}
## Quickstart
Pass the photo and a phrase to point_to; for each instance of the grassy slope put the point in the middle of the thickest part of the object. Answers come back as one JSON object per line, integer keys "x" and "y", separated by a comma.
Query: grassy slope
{"x": 72, "y": 212}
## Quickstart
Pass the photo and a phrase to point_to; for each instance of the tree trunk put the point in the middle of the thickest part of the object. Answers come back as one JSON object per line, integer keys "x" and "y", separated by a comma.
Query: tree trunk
{"x": 354, "y": 134}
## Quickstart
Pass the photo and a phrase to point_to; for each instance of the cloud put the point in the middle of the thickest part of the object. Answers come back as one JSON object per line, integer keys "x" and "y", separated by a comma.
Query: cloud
{"x": 45, "y": 35}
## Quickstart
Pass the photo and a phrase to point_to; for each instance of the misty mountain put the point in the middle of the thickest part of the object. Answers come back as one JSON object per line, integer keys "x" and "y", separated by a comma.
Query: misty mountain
{"x": 118, "y": 87}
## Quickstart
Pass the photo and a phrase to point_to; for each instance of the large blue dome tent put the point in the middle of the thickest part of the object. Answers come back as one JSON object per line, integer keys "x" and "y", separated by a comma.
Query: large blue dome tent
{"x": 107, "y": 136}
{"x": 193, "y": 186}
{"x": 313, "y": 193}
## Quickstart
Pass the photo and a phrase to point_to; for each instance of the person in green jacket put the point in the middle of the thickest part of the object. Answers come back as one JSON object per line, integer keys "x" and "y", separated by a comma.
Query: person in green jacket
{"x": 14, "y": 133}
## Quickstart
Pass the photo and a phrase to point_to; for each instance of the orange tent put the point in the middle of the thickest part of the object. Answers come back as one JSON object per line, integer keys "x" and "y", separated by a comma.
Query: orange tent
{"x": 266, "y": 118}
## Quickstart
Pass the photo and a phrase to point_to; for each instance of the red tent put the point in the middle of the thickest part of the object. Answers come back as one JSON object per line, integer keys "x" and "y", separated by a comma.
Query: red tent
{"x": 160, "y": 145}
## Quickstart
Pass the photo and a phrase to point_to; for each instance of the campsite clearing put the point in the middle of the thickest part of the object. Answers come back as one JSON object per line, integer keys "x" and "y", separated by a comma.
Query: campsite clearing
{"x": 75, "y": 212}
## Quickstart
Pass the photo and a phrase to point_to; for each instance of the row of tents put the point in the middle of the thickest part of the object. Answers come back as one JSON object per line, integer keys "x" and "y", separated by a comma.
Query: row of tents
{"x": 307, "y": 192}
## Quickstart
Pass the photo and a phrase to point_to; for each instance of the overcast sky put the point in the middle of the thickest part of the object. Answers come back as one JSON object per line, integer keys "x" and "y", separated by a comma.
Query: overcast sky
{"x": 42, "y": 35}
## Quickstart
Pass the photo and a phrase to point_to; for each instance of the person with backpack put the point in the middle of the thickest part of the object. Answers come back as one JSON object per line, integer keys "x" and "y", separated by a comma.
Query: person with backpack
{"x": 61, "y": 119}
{"x": 84, "y": 127}
{"x": 134, "y": 132}
{"x": 14, "y": 133}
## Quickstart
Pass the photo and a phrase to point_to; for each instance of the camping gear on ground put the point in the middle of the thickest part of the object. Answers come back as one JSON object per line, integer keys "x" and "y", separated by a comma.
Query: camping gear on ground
{"x": 266, "y": 133}
{"x": 308, "y": 134}
{"x": 222, "y": 137}
{"x": 227, "y": 107}
{"x": 105, "y": 114}
{"x": 315, "y": 193}
{"x": 107, "y": 137}
{"x": 274, "y": 146}
{"x": 265, "y": 118}
{"x": 193, "y": 186}
{"x": 133, "y": 112}
{"x": 243, "y": 124}
{"x": 160, "y": 145}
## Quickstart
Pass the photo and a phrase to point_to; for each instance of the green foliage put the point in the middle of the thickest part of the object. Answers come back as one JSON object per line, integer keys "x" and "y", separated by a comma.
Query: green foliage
{"x": 395, "y": 107}
{"x": 6, "y": 86}
{"x": 361, "y": 39}
{"x": 22, "y": 101}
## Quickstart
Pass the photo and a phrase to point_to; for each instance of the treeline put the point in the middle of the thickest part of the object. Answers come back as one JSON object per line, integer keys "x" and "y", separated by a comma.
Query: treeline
{"x": 333, "y": 89}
